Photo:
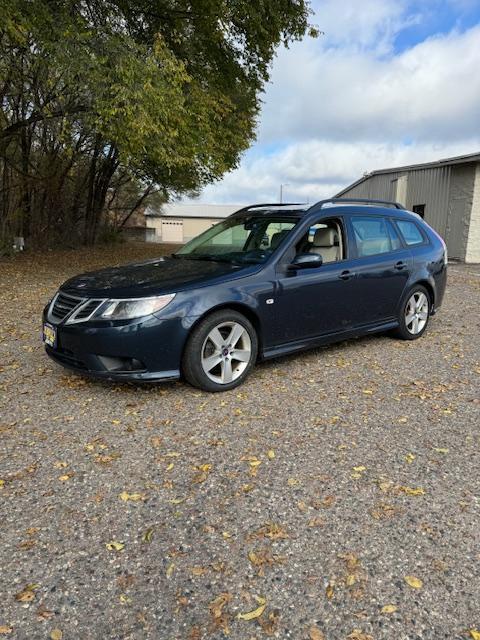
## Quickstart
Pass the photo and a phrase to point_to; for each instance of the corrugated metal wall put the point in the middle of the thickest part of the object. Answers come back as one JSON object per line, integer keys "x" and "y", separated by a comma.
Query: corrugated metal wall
{"x": 431, "y": 187}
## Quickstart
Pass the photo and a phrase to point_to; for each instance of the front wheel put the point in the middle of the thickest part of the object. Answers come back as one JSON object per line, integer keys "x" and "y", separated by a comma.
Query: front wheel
{"x": 221, "y": 351}
{"x": 414, "y": 314}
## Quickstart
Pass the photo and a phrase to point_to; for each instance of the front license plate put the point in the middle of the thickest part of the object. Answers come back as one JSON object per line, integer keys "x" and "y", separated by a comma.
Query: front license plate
{"x": 49, "y": 335}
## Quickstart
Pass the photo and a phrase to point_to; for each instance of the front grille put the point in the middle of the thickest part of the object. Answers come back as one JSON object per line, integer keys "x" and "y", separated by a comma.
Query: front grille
{"x": 63, "y": 305}
{"x": 87, "y": 309}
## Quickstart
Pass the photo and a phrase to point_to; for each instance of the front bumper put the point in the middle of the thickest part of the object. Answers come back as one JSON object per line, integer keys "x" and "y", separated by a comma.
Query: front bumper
{"x": 146, "y": 349}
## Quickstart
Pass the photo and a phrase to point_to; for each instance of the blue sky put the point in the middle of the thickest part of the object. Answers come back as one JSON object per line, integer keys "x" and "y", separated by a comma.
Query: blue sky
{"x": 391, "y": 82}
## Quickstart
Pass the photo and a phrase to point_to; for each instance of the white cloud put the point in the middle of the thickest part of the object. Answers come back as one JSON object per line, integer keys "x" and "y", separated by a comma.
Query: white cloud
{"x": 349, "y": 103}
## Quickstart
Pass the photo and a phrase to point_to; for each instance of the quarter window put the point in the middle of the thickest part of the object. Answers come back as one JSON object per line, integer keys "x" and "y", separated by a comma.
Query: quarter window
{"x": 373, "y": 236}
{"x": 410, "y": 232}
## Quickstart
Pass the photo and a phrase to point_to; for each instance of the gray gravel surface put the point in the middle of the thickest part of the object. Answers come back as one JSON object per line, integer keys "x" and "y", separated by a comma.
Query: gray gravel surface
{"x": 312, "y": 495}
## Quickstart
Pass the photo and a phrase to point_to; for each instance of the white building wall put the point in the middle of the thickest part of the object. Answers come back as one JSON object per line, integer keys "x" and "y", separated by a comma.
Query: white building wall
{"x": 473, "y": 242}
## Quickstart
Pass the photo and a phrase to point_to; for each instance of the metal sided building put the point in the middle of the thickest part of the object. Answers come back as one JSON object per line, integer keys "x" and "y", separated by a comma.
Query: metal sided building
{"x": 446, "y": 193}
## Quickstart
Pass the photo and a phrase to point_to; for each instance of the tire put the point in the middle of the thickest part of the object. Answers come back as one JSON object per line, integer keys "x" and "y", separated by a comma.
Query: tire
{"x": 414, "y": 314}
{"x": 220, "y": 352}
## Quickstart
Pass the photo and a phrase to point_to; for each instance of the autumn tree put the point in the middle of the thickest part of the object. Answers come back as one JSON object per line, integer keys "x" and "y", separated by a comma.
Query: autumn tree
{"x": 159, "y": 95}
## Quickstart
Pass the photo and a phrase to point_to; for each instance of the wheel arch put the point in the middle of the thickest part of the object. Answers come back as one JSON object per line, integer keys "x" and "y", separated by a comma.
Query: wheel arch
{"x": 431, "y": 291}
{"x": 244, "y": 309}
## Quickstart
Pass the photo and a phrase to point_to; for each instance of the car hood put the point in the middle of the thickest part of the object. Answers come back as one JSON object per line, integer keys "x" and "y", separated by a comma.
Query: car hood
{"x": 153, "y": 277}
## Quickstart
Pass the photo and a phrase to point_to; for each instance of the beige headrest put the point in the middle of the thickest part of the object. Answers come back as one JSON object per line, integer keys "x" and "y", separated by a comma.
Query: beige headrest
{"x": 324, "y": 238}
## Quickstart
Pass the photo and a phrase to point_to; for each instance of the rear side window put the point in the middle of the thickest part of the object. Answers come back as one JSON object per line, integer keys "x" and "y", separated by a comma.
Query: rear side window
{"x": 373, "y": 235}
{"x": 410, "y": 232}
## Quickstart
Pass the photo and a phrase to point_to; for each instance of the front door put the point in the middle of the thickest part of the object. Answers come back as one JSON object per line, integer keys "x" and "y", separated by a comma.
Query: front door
{"x": 313, "y": 302}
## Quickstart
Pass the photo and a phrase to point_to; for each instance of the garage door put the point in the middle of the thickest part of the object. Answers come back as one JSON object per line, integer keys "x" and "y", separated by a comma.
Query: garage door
{"x": 172, "y": 230}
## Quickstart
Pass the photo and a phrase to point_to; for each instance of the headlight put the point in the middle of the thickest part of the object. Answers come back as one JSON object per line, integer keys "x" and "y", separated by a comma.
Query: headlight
{"x": 133, "y": 307}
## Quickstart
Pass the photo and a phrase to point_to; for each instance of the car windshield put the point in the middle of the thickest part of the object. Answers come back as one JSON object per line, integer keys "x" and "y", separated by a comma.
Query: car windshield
{"x": 242, "y": 240}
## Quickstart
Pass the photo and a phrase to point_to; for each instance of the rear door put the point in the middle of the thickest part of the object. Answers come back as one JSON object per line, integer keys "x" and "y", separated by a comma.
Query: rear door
{"x": 382, "y": 266}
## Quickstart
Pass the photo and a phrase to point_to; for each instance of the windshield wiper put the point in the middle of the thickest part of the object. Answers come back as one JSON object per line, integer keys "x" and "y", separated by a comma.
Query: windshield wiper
{"x": 209, "y": 258}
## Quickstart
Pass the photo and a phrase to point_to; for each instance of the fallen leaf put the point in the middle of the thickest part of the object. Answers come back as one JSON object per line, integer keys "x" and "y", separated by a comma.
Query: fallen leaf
{"x": 5, "y": 630}
{"x": 66, "y": 476}
{"x": 28, "y": 593}
{"x": 409, "y": 491}
{"x": 56, "y": 634}
{"x": 292, "y": 482}
{"x": 315, "y": 634}
{"x": 414, "y": 582}
{"x": 475, "y": 634}
{"x": 389, "y": 608}
{"x": 409, "y": 458}
{"x": 329, "y": 591}
{"x": 148, "y": 535}
{"x": 439, "y": 450}
{"x": 170, "y": 570}
{"x": 256, "y": 613}
{"x": 220, "y": 617}
{"x": 359, "y": 635}
{"x": 115, "y": 546}
{"x": 133, "y": 497}
{"x": 271, "y": 454}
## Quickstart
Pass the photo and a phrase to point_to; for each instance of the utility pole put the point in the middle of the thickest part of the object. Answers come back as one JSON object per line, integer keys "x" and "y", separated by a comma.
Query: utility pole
{"x": 281, "y": 191}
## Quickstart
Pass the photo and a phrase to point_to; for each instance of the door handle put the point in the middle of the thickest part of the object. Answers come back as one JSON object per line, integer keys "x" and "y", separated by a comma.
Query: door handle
{"x": 346, "y": 275}
{"x": 400, "y": 265}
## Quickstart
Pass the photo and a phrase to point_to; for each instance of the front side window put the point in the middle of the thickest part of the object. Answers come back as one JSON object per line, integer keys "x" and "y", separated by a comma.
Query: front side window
{"x": 410, "y": 232}
{"x": 373, "y": 235}
{"x": 243, "y": 240}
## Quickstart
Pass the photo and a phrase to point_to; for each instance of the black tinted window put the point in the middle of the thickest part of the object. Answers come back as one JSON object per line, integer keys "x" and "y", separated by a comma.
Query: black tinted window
{"x": 410, "y": 232}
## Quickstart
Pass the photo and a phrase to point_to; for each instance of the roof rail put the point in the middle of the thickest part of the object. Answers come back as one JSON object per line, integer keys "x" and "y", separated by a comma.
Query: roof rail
{"x": 319, "y": 205}
{"x": 267, "y": 204}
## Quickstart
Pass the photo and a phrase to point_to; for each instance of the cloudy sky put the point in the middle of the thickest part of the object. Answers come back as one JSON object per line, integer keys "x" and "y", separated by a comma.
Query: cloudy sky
{"x": 391, "y": 82}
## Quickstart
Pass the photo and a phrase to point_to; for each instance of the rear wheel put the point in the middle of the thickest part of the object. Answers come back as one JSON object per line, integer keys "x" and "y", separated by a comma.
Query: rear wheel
{"x": 221, "y": 351}
{"x": 414, "y": 314}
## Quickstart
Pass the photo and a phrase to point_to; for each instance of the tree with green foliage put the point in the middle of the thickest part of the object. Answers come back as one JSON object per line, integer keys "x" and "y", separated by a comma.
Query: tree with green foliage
{"x": 162, "y": 94}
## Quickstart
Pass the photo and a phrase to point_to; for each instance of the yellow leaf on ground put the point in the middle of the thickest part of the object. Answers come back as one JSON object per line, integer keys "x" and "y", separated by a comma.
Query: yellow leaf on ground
{"x": 410, "y": 491}
{"x": 439, "y": 450}
{"x": 389, "y": 608}
{"x": 133, "y": 497}
{"x": 475, "y": 634}
{"x": 170, "y": 570}
{"x": 170, "y": 466}
{"x": 360, "y": 469}
{"x": 292, "y": 482}
{"x": 256, "y": 613}
{"x": 115, "y": 546}
{"x": 204, "y": 467}
{"x": 56, "y": 634}
{"x": 5, "y": 630}
{"x": 409, "y": 458}
{"x": 414, "y": 582}
{"x": 271, "y": 454}
{"x": 329, "y": 591}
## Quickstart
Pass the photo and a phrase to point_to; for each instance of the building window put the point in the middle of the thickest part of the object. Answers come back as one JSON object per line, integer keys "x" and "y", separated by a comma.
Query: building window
{"x": 420, "y": 209}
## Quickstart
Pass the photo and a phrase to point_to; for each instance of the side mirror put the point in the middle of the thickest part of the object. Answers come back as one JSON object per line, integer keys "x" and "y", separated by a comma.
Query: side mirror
{"x": 307, "y": 261}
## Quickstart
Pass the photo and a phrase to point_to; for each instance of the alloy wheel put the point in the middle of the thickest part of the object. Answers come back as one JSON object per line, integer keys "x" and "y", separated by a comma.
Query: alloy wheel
{"x": 416, "y": 312}
{"x": 226, "y": 352}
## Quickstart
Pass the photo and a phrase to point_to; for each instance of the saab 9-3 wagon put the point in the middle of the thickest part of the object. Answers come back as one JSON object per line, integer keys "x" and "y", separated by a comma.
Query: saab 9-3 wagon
{"x": 269, "y": 280}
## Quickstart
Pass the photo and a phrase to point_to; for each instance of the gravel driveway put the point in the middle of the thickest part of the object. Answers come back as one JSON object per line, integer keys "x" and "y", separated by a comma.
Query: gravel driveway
{"x": 335, "y": 495}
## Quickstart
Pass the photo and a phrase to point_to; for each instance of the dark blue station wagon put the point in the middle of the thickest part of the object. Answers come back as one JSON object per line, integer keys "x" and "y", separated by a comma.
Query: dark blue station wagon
{"x": 269, "y": 280}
